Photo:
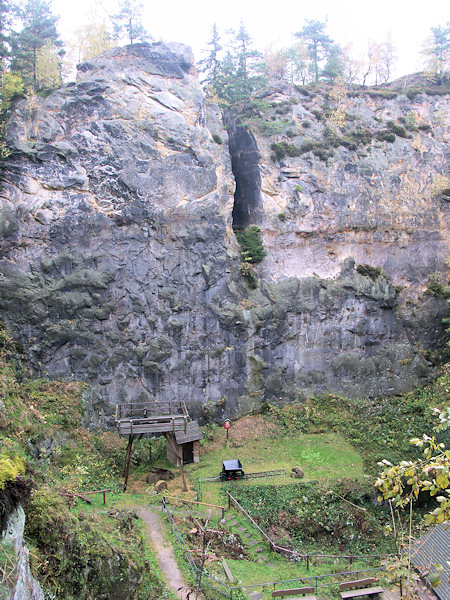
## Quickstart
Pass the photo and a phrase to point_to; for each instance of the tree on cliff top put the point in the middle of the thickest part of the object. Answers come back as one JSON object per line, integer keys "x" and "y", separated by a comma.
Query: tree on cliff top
{"x": 437, "y": 51}
{"x": 7, "y": 13}
{"x": 239, "y": 74}
{"x": 39, "y": 30}
{"x": 210, "y": 65}
{"x": 128, "y": 20}
{"x": 318, "y": 43}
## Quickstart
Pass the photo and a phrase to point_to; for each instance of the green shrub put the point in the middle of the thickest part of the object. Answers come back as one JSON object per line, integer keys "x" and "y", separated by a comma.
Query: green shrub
{"x": 437, "y": 91}
{"x": 307, "y": 146}
{"x": 424, "y": 127}
{"x": 397, "y": 129}
{"x": 282, "y": 216}
{"x": 369, "y": 271}
{"x": 412, "y": 93}
{"x": 363, "y": 136}
{"x": 348, "y": 142}
{"x": 248, "y": 271}
{"x": 282, "y": 149}
{"x": 10, "y": 468}
{"x": 409, "y": 122}
{"x": 283, "y": 108}
{"x": 388, "y": 95}
{"x": 252, "y": 249}
{"x": 216, "y": 138}
{"x": 386, "y": 136}
{"x": 298, "y": 188}
{"x": 435, "y": 287}
{"x": 269, "y": 128}
{"x": 322, "y": 153}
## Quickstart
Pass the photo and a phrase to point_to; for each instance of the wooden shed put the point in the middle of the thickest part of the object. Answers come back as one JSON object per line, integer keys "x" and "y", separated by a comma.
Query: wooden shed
{"x": 185, "y": 444}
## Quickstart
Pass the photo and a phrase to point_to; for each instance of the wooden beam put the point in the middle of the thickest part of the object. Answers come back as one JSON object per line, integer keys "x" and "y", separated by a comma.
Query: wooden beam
{"x": 158, "y": 428}
{"x": 128, "y": 458}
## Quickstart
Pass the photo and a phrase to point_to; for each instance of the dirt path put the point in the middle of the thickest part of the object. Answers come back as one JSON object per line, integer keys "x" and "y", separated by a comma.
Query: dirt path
{"x": 164, "y": 552}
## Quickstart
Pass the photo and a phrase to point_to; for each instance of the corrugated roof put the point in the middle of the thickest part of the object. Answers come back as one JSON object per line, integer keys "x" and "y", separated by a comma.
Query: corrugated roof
{"x": 193, "y": 433}
{"x": 434, "y": 548}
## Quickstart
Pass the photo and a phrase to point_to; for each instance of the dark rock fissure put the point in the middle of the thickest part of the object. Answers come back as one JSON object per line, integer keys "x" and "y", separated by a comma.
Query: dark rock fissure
{"x": 247, "y": 209}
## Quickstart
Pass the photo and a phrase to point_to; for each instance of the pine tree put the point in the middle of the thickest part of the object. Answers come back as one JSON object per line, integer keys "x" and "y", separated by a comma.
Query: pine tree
{"x": 318, "y": 44}
{"x": 211, "y": 64}
{"x": 437, "y": 51}
{"x": 334, "y": 66}
{"x": 242, "y": 70}
{"x": 39, "y": 29}
{"x": 128, "y": 20}
{"x": 7, "y": 13}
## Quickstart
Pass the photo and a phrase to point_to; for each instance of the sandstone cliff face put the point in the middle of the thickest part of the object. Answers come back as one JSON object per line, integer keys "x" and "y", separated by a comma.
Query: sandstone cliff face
{"x": 119, "y": 264}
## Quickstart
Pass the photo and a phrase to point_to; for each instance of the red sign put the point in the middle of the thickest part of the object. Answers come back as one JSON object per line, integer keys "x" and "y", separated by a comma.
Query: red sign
{"x": 227, "y": 424}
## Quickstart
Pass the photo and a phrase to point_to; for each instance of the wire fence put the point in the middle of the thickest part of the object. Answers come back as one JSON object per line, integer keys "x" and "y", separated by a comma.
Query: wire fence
{"x": 216, "y": 589}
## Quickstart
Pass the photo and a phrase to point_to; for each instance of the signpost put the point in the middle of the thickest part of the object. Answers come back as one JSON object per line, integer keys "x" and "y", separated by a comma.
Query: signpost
{"x": 227, "y": 426}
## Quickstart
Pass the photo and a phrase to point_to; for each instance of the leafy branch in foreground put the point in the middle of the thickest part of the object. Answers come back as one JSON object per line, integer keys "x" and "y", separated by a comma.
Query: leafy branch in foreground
{"x": 403, "y": 482}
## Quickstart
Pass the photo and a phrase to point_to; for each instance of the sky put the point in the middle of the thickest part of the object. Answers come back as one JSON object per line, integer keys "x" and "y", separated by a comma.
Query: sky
{"x": 272, "y": 24}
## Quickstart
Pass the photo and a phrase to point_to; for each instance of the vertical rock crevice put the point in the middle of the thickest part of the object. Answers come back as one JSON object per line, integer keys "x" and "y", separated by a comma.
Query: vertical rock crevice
{"x": 247, "y": 209}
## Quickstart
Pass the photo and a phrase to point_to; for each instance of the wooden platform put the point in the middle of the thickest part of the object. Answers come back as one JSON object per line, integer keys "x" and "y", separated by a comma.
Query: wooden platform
{"x": 151, "y": 417}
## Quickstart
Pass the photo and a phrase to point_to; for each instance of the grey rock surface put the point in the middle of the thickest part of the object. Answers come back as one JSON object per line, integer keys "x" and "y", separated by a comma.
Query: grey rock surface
{"x": 119, "y": 265}
{"x": 25, "y": 587}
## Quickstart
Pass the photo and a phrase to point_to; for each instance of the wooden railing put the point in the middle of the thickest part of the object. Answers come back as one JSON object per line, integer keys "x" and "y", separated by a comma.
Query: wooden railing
{"x": 72, "y": 495}
{"x": 143, "y": 410}
{"x": 222, "y": 508}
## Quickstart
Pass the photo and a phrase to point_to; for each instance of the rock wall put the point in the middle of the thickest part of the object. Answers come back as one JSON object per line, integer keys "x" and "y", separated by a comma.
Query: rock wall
{"x": 119, "y": 265}
{"x": 25, "y": 586}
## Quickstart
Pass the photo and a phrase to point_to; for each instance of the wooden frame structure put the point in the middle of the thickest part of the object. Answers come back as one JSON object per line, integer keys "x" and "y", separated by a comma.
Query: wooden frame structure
{"x": 151, "y": 417}
{"x": 136, "y": 419}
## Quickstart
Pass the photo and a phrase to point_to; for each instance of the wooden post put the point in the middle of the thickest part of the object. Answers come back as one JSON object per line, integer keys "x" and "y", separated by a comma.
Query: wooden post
{"x": 127, "y": 461}
{"x": 183, "y": 478}
{"x": 104, "y": 497}
{"x": 307, "y": 562}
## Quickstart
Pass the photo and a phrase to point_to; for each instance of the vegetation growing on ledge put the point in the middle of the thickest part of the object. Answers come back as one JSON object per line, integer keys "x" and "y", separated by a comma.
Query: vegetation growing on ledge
{"x": 369, "y": 271}
{"x": 252, "y": 249}
{"x": 11, "y": 466}
{"x": 283, "y": 149}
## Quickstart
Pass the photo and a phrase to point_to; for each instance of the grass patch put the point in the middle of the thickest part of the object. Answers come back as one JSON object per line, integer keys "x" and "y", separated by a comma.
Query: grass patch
{"x": 325, "y": 456}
